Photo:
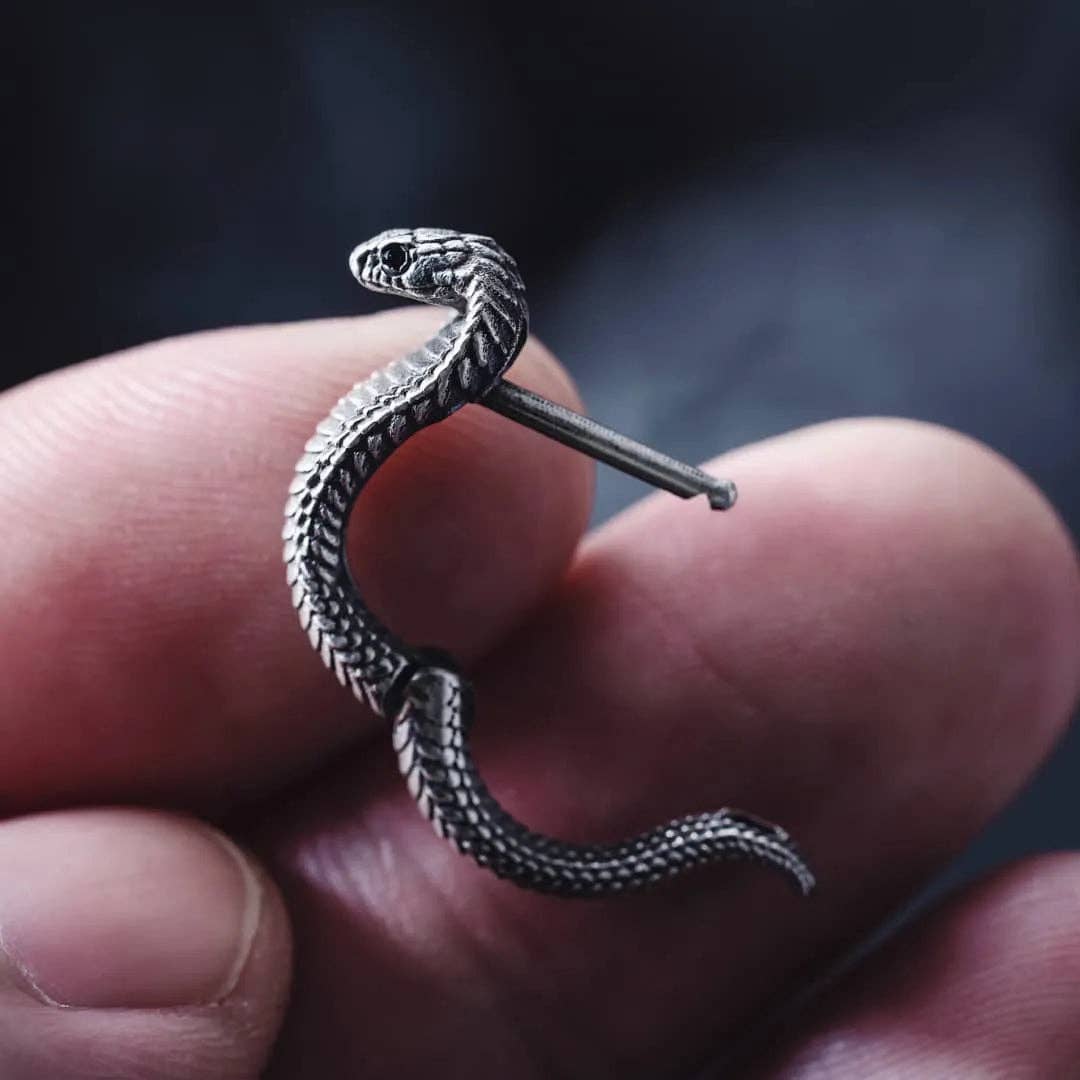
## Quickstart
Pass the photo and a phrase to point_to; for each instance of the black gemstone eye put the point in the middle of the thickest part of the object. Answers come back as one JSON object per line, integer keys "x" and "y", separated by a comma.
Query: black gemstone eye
{"x": 395, "y": 257}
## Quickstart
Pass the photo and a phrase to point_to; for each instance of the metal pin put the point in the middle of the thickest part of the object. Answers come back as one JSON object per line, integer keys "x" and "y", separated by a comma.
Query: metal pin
{"x": 623, "y": 453}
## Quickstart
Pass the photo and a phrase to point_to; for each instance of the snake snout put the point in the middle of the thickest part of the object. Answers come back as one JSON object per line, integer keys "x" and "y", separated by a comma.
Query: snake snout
{"x": 378, "y": 263}
{"x": 359, "y": 262}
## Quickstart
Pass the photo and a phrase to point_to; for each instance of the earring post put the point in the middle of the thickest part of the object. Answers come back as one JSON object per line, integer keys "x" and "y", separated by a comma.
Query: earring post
{"x": 619, "y": 451}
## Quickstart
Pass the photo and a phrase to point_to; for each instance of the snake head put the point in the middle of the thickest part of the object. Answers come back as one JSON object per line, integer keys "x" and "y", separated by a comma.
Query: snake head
{"x": 433, "y": 266}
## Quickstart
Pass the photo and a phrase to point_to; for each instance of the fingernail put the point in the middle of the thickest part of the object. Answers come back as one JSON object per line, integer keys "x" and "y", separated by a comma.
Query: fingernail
{"x": 124, "y": 909}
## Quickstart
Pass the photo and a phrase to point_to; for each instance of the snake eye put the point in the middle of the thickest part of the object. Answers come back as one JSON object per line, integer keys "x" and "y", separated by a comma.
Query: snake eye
{"x": 394, "y": 257}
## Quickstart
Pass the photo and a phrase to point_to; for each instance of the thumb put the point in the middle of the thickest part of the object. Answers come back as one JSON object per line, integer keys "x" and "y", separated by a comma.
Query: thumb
{"x": 135, "y": 944}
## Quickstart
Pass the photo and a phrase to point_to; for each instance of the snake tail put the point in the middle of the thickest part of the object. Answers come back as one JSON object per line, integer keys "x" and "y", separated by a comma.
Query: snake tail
{"x": 431, "y": 738}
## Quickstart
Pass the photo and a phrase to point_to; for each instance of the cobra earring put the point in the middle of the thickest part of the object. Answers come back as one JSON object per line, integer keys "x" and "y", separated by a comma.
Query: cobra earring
{"x": 427, "y": 700}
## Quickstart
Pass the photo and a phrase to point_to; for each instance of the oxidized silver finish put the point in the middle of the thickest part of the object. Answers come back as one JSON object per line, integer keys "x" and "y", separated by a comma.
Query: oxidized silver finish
{"x": 428, "y": 701}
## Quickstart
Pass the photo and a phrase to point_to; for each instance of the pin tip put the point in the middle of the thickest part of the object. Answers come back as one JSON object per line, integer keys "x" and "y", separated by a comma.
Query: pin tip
{"x": 722, "y": 495}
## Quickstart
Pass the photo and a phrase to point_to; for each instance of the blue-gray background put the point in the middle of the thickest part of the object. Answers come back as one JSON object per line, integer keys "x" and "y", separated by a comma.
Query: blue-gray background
{"x": 734, "y": 218}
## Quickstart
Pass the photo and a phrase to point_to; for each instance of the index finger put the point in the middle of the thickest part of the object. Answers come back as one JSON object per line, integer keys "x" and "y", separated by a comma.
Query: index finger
{"x": 149, "y": 646}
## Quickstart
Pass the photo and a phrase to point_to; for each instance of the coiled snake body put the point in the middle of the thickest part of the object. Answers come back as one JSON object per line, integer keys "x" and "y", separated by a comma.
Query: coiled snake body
{"x": 429, "y": 702}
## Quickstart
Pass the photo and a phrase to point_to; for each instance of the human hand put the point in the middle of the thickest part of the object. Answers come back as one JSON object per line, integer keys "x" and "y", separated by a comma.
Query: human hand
{"x": 875, "y": 649}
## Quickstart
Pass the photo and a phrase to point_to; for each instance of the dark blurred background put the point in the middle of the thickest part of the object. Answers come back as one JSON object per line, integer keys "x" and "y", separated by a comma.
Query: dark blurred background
{"x": 734, "y": 218}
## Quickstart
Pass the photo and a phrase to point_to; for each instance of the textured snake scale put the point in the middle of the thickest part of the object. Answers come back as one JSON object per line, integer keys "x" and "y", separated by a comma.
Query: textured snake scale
{"x": 428, "y": 702}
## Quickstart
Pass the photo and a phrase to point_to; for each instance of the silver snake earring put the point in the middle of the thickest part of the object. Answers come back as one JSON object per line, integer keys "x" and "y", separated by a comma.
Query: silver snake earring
{"x": 427, "y": 700}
